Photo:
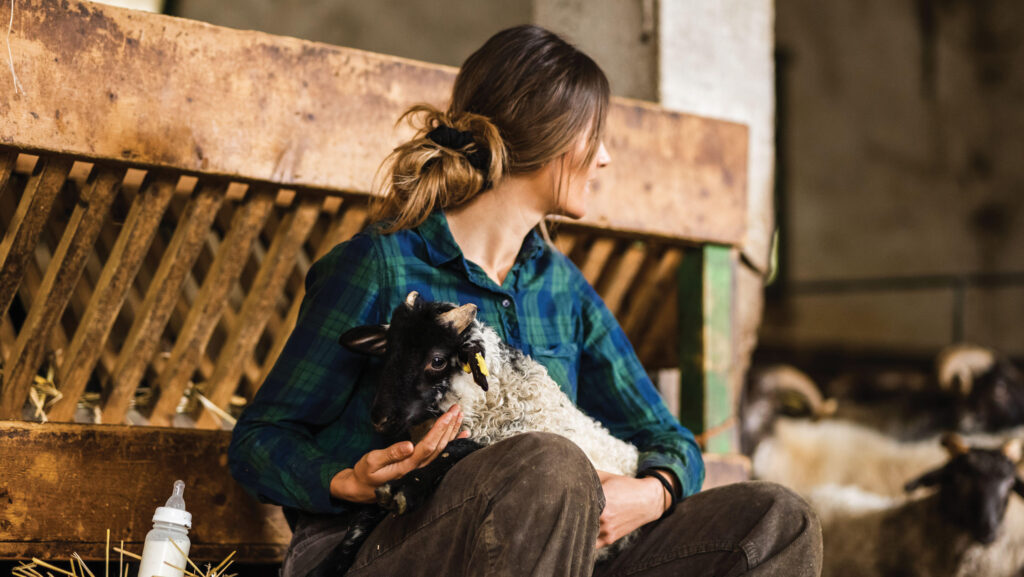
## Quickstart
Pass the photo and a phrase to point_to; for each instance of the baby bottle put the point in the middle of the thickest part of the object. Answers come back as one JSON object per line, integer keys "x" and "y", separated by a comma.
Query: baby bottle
{"x": 167, "y": 543}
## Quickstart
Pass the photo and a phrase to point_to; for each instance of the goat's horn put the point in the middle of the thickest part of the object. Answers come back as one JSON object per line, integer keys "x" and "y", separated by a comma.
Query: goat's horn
{"x": 957, "y": 365}
{"x": 459, "y": 317}
{"x": 410, "y": 300}
{"x": 1013, "y": 450}
{"x": 788, "y": 380}
{"x": 954, "y": 444}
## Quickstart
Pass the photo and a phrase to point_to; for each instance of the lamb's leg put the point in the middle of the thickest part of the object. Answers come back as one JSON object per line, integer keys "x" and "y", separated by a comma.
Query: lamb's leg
{"x": 403, "y": 495}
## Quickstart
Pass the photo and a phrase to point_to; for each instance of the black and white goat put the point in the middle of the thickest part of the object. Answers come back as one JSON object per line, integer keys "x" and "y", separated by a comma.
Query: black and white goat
{"x": 437, "y": 354}
{"x": 964, "y": 528}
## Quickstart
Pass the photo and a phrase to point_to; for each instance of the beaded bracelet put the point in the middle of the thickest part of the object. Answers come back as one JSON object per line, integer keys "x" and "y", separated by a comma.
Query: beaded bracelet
{"x": 668, "y": 487}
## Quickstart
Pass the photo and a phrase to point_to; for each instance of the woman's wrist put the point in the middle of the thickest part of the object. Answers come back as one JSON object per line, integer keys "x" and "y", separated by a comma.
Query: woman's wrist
{"x": 666, "y": 482}
{"x": 346, "y": 487}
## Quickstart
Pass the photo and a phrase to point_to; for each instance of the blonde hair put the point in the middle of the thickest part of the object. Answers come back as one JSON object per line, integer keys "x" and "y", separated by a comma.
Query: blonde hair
{"x": 526, "y": 95}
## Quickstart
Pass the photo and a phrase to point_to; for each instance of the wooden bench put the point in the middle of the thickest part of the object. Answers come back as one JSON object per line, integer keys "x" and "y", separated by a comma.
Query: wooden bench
{"x": 165, "y": 185}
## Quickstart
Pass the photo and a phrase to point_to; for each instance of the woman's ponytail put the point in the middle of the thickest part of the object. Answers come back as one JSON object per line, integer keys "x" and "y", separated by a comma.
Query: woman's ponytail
{"x": 452, "y": 158}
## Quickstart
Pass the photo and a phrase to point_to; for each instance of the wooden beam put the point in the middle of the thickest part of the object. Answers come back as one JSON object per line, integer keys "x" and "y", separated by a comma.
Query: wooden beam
{"x": 309, "y": 115}
{"x": 64, "y": 485}
{"x": 706, "y": 281}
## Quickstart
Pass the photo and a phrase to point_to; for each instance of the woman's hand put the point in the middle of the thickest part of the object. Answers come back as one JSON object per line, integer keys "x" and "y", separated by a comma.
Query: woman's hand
{"x": 378, "y": 467}
{"x": 629, "y": 503}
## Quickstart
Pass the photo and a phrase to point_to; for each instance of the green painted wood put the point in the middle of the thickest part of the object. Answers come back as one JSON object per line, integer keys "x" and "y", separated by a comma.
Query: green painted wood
{"x": 705, "y": 345}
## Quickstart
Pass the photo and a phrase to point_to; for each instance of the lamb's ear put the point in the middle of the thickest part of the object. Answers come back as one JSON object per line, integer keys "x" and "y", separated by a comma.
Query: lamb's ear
{"x": 367, "y": 339}
{"x": 472, "y": 358}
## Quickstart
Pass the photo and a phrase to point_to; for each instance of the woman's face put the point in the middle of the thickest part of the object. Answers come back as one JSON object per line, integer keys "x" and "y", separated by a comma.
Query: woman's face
{"x": 571, "y": 196}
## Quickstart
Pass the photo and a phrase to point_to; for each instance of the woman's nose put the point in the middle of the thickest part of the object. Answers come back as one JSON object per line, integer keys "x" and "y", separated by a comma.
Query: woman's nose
{"x": 603, "y": 158}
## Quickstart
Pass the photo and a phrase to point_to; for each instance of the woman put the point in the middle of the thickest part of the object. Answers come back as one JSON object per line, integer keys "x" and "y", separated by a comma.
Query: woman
{"x": 463, "y": 204}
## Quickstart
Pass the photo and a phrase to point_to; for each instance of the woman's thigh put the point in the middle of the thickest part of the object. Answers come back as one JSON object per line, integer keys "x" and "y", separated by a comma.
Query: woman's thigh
{"x": 525, "y": 506}
{"x": 753, "y": 528}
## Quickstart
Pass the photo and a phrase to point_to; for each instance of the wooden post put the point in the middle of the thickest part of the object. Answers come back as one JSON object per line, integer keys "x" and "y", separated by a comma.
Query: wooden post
{"x": 705, "y": 345}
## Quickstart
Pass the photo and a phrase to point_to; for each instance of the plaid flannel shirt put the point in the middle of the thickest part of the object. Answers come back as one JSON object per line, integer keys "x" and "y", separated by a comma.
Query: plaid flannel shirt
{"x": 311, "y": 417}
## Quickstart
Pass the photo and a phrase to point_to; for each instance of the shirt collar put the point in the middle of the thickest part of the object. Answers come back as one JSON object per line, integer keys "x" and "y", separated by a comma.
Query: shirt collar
{"x": 442, "y": 248}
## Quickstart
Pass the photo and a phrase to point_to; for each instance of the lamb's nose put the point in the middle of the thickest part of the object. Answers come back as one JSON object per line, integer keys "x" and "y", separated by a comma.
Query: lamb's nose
{"x": 380, "y": 425}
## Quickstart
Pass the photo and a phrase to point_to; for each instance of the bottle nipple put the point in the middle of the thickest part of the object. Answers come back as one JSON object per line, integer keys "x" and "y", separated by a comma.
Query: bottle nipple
{"x": 177, "y": 500}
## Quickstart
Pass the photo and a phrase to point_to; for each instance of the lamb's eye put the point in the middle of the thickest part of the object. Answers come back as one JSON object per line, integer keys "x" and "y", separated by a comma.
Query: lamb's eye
{"x": 438, "y": 363}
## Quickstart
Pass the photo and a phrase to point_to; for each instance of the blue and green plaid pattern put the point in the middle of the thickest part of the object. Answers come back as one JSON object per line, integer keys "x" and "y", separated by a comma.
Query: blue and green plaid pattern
{"x": 311, "y": 417}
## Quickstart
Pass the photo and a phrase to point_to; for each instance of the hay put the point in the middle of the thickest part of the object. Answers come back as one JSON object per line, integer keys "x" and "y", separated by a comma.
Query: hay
{"x": 31, "y": 569}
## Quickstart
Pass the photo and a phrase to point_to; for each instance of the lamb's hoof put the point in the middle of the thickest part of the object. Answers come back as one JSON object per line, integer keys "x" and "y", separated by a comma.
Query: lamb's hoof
{"x": 392, "y": 500}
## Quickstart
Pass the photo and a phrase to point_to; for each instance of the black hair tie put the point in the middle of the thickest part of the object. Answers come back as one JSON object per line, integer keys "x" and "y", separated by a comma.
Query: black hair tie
{"x": 668, "y": 487}
{"x": 449, "y": 137}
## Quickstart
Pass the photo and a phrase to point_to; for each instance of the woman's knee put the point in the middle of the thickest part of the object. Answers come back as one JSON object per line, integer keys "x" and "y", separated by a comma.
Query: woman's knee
{"x": 550, "y": 464}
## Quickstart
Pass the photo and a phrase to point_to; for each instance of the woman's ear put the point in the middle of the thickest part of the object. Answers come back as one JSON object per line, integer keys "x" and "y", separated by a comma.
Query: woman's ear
{"x": 367, "y": 339}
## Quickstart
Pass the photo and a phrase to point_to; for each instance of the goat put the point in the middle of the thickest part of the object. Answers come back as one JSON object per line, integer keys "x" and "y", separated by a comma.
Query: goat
{"x": 773, "y": 391}
{"x": 437, "y": 354}
{"x": 989, "y": 389}
{"x": 967, "y": 527}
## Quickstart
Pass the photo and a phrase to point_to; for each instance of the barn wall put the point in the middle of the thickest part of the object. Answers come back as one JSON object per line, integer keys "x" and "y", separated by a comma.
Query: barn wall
{"x": 903, "y": 187}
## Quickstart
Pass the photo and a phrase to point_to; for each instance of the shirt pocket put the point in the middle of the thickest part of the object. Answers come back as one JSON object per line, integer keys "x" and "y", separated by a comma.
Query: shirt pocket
{"x": 562, "y": 361}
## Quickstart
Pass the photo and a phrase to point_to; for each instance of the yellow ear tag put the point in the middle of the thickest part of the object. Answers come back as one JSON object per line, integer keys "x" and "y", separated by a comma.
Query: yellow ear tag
{"x": 480, "y": 362}
{"x": 465, "y": 368}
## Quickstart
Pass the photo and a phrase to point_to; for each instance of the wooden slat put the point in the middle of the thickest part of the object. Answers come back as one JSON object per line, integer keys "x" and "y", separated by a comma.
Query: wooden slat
{"x": 111, "y": 290}
{"x": 21, "y": 236}
{"x": 202, "y": 319}
{"x": 163, "y": 292}
{"x": 596, "y": 259}
{"x": 58, "y": 284}
{"x": 622, "y": 276}
{"x": 64, "y": 485}
{"x": 652, "y": 292}
{"x": 304, "y": 114}
{"x": 258, "y": 306}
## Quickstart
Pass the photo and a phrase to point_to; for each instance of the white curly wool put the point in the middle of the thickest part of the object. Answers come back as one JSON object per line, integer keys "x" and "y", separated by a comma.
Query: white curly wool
{"x": 521, "y": 398}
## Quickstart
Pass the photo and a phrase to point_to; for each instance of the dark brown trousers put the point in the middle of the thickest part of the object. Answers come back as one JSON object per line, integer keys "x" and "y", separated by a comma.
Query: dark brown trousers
{"x": 530, "y": 506}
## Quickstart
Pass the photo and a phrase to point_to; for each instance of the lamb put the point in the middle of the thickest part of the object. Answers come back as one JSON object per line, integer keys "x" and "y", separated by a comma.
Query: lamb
{"x": 436, "y": 355}
{"x": 969, "y": 527}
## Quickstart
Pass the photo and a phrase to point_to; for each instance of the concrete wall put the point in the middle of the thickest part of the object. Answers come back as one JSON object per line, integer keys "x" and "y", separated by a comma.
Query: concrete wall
{"x": 904, "y": 136}
{"x": 443, "y": 31}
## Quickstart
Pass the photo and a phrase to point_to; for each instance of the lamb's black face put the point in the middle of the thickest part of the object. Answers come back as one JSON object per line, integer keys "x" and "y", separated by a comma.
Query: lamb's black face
{"x": 421, "y": 359}
{"x": 423, "y": 348}
{"x": 976, "y": 492}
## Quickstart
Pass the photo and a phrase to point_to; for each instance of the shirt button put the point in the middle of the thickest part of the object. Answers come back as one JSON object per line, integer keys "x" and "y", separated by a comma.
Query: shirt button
{"x": 506, "y": 303}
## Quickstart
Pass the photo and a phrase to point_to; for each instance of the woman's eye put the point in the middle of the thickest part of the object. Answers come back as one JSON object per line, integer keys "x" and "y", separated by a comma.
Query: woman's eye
{"x": 438, "y": 363}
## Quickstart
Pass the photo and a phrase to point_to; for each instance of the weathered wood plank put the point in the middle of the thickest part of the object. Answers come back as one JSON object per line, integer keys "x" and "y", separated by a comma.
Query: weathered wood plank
{"x": 58, "y": 285}
{"x": 8, "y": 160}
{"x": 111, "y": 290}
{"x": 206, "y": 311}
{"x": 258, "y": 306}
{"x": 163, "y": 292}
{"x": 64, "y": 485}
{"x": 304, "y": 114}
{"x": 29, "y": 220}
